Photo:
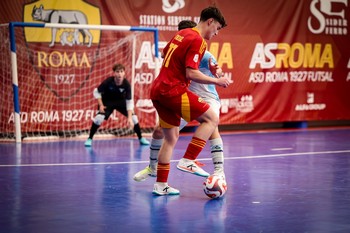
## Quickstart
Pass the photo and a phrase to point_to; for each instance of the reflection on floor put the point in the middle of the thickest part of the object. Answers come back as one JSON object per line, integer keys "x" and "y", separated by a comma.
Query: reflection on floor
{"x": 282, "y": 181}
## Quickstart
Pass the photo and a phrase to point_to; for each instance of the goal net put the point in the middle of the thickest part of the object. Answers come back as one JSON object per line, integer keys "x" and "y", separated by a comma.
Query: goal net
{"x": 57, "y": 76}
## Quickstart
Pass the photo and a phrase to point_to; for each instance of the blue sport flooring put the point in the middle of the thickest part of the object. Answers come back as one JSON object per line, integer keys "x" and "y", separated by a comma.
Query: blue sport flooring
{"x": 278, "y": 181}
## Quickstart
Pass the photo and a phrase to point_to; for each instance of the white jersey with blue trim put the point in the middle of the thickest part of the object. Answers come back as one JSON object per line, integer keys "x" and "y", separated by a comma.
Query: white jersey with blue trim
{"x": 205, "y": 90}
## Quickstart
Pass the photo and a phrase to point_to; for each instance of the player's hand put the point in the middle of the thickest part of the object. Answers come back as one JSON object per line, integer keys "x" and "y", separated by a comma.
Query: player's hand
{"x": 102, "y": 108}
{"x": 219, "y": 72}
{"x": 130, "y": 123}
{"x": 213, "y": 67}
{"x": 224, "y": 82}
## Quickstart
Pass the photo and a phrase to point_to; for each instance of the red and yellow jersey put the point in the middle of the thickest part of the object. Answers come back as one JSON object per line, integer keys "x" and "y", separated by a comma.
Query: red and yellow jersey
{"x": 185, "y": 49}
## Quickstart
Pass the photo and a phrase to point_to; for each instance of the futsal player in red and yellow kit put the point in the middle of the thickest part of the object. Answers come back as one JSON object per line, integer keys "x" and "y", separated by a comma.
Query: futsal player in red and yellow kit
{"x": 173, "y": 100}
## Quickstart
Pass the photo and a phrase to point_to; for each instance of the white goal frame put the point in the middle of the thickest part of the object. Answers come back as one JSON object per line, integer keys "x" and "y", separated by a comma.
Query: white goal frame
{"x": 13, "y": 25}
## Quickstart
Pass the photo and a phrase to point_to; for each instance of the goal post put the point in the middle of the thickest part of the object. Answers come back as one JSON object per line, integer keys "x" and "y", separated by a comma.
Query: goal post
{"x": 52, "y": 81}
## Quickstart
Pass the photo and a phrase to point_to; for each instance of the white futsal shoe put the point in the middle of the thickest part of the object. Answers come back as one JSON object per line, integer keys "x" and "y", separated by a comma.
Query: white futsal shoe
{"x": 162, "y": 189}
{"x": 191, "y": 166}
{"x": 144, "y": 174}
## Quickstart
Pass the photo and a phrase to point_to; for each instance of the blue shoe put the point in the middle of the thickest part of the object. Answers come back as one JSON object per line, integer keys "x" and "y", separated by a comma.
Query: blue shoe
{"x": 88, "y": 142}
{"x": 144, "y": 141}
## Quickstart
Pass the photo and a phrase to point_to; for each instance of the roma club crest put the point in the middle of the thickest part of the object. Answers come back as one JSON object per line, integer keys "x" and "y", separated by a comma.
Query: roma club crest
{"x": 63, "y": 58}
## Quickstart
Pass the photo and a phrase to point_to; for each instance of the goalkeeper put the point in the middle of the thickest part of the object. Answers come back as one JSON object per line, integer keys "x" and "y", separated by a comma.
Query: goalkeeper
{"x": 114, "y": 93}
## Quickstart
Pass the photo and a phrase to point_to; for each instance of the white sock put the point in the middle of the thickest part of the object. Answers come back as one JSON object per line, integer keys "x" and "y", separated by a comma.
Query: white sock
{"x": 154, "y": 151}
{"x": 217, "y": 153}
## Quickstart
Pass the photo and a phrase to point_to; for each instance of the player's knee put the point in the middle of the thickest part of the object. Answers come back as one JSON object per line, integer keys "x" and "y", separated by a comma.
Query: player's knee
{"x": 215, "y": 120}
{"x": 99, "y": 118}
{"x": 209, "y": 117}
{"x": 157, "y": 133}
{"x": 212, "y": 119}
{"x": 171, "y": 137}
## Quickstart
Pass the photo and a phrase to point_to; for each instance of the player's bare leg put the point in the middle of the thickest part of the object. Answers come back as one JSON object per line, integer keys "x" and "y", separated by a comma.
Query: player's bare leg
{"x": 209, "y": 121}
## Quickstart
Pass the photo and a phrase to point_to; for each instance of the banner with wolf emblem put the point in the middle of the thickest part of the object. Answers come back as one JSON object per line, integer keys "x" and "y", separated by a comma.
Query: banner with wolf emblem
{"x": 63, "y": 58}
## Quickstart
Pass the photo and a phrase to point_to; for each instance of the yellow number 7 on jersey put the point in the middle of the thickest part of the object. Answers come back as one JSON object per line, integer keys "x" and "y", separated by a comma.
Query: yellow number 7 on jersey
{"x": 170, "y": 51}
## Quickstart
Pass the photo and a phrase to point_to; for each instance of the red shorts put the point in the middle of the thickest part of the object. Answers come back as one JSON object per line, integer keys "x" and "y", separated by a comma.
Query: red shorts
{"x": 188, "y": 106}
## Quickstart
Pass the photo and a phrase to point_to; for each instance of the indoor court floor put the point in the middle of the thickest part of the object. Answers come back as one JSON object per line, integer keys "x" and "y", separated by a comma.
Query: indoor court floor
{"x": 278, "y": 181}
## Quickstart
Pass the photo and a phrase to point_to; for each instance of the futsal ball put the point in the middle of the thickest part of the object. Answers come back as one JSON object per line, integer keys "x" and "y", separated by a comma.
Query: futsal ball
{"x": 215, "y": 186}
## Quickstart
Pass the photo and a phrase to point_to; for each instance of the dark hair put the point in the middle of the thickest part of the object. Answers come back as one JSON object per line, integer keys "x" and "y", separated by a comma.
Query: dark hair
{"x": 215, "y": 13}
{"x": 118, "y": 66}
{"x": 186, "y": 24}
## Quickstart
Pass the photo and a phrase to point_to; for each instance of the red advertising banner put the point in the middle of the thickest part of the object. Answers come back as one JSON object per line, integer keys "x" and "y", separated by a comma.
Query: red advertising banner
{"x": 289, "y": 60}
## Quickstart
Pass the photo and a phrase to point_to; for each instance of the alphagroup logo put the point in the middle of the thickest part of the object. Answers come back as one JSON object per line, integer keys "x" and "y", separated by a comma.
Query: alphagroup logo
{"x": 310, "y": 104}
{"x": 328, "y": 17}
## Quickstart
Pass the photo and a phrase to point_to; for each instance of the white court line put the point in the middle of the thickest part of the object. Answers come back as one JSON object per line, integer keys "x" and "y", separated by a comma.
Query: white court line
{"x": 277, "y": 149}
{"x": 204, "y": 159}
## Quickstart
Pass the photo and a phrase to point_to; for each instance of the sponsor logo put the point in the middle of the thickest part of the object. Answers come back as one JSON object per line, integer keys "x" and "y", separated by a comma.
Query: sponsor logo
{"x": 328, "y": 17}
{"x": 171, "y": 8}
{"x": 310, "y": 98}
{"x": 145, "y": 105}
{"x": 200, "y": 100}
{"x": 241, "y": 104}
{"x": 310, "y": 104}
{"x": 296, "y": 55}
{"x": 62, "y": 57}
{"x": 166, "y": 22}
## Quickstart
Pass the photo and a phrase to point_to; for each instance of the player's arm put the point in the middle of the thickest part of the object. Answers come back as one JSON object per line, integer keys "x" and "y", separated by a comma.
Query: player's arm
{"x": 130, "y": 110}
{"x": 199, "y": 77}
{"x": 192, "y": 60}
{"x": 129, "y": 106}
{"x": 98, "y": 96}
